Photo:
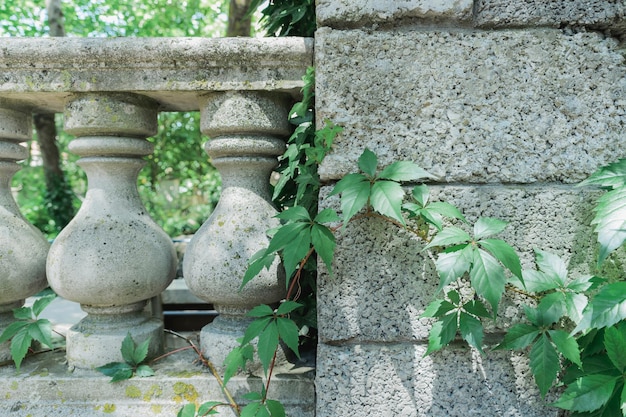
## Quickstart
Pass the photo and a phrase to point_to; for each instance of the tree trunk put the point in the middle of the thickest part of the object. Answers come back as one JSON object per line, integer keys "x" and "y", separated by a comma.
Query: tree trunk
{"x": 58, "y": 193}
{"x": 238, "y": 24}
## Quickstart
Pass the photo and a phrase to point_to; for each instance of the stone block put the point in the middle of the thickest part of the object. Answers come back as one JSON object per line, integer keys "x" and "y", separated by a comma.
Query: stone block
{"x": 382, "y": 280}
{"x": 594, "y": 14}
{"x": 504, "y": 106}
{"x": 351, "y": 13}
{"x": 396, "y": 380}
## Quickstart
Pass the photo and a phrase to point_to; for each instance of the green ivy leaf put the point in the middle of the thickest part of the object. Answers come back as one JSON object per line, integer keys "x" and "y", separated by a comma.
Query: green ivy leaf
{"x": 453, "y": 265}
{"x": 575, "y": 305}
{"x": 144, "y": 371}
{"x": 188, "y": 410}
{"x": 430, "y": 217}
{"x": 256, "y": 263}
{"x": 41, "y": 331}
{"x": 128, "y": 349}
{"x": 23, "y": 313}
{"x": 612, "y": 175}
{"x": 552, "y": 307}
{"x": 449, "y": 236}
{"x": 623, "y": 401}
{"x": 441, "y": 333}
{"x": 12, "y": 329}
{"x": 268, "y": 342}
{"x": 488, "y": 278}
{"x": 255, "y": 328}
{"x": 588, "y": 393}
{"x": 252, "y": 410}
{"x": 476, "y": 308}
{"x": 275, "y": 408}
{"x": 437, "y": 308}
{"x": 323, "y": 241}
{"x": 118, "y": 371}
{"x": 353, "y": 199}
{"x": 327, "y": 216}
{"x": 289, "y": 333}
{"x": 537, "y": 281}
{"x": 421, "y": 194}
{"x": 519, "y": 337}
{"x": 606, "y": 308}
{"x": 20, "y": 343}
{"x": 262, "y": 310}
{"x": 454, "y": 297}
{"x": 615, "y": 343}
{"x": 287, "y": 307}
{"x": 208, "y": 408}
{"x": 610, "y": 221}
{"x": 544, "y": 363}
{"x": 41, "y": 303}
{"x": 446, "y": 210}
{"x": 297, "y": 249}
{"x": 487, "y": 226}
{"x": 285, "y": 235}
{"x": 368, "y": 162}
{"x": 552, "y": 265}
{"x": 404, "y": 171}
{"x": 237, "y": 359}
{"x": 141, "y": 352}
{"x": 295, "y": 214}
{"x": 505, "y": 254}
{"x": 583, "y": 283}
{"x": 566, "y": 345}
{"x": 471, "y": 331}
{"x": 386, "y": 198}
{"x": 349, "y": 181}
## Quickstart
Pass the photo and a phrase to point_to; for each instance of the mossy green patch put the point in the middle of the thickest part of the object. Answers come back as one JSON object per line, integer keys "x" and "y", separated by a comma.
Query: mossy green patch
{"x": 108, "y": 408}
{"x": 14, "y": 385}
{"x": 156, "y": 409}
{"x": 133, "y": 392}
{"x": 185, "y": 392}
{"x": 153, "y": 392}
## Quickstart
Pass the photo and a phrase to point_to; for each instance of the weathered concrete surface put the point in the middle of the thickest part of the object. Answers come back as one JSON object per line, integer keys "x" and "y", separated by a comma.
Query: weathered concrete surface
{"x": 45, "y": 388}
{"x": 393, "y": 380}
{"x": 43, "y": 72}
{"x": 592, "y": 14}
{"x": 499, "y": 106}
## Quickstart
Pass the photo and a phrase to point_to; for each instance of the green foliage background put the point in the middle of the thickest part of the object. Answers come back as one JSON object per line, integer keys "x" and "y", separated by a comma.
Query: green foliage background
{"x": 179, "y": 186}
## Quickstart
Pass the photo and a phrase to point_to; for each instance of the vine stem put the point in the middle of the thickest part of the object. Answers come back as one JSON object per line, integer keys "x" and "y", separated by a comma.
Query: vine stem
{"x": 231, "y": 401}
{"x": 269, "y": 377}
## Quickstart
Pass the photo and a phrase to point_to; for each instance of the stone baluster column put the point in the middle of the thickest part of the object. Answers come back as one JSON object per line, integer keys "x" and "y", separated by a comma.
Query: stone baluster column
{"x": 23, "y": 248}
{"x": 247, "y": 131}
{"x": 112, "y": 257}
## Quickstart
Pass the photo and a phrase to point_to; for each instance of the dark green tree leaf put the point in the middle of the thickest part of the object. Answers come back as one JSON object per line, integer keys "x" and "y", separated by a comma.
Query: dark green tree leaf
{"x": 118, "y": 371}
{"x": 519, "y": 337}
{"x": 262, "y": 310}
{"x": 295, "y": 214}
{"x": 323, "y": 241}
{"x": 208, "y": 408}
{"x": 544, "y": 363}
{"x": 327, "y": 216}
{"x": 566, "y": 345}
{"x": 588, "y": 393}
{"x": 289, "y": 333}
{"x": 128, "y": 350}
{"x": 552, "y": 307}
{"x": 615, "y": 343}
{"x": 255, "y": 328}
{"x": 41, "y": 303}
{"x": 437, "y": 308}
{"x": 353, "y": 199}
{"x": 237, "y": 359}
{"x": 257, "y": 262}
{"x": 297, "y": 249}
{"x": 23, "y": 313}
{"x": 476, "y": 308}
{"x": 275, "y": 408}
{"x": 268, "y": 342}
{"x": 141, "y": 352}
{"x": 441, "y": 333}
{"x": 505, "y": 254}
{"x": 12, "y": 329}
{"x": 537, "y": 281}
{"x": 471, "y": 331}
{"x": 606, "y": 308}
{"x": 286, "y": 235}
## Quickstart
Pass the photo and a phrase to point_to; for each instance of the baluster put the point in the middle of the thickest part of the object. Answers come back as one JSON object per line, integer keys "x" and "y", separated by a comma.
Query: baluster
{"x": 247, "y": 131}
{"x": 23, "y": 248}
{"x": 112, "y": 257}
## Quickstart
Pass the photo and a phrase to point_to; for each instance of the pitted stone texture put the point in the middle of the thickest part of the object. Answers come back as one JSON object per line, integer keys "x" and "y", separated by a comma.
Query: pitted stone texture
{"x": 382, "y": 281}
{"x": 500, "y": 106}
{"x": 595, "y": 14}
{"x": 396, "y": 380}
{"x": 341, "y": 13}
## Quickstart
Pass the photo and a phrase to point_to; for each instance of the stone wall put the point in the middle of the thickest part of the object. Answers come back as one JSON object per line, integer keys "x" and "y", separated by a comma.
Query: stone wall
{"x": 510, "y": 104}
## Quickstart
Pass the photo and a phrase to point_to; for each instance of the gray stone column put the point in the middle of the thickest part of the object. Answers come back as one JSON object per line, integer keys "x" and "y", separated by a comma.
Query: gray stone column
{"x": 23, "y": 248}
{"x": 112, "y": 257}
{"x": 247, "y": 131}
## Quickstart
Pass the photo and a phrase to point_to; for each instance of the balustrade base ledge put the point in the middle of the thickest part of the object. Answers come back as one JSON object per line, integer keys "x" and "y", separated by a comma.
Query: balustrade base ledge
{"x": 44, "y": 387}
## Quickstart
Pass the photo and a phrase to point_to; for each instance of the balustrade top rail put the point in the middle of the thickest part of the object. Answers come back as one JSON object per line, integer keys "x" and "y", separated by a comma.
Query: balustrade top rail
{"x": 43, "y": 72}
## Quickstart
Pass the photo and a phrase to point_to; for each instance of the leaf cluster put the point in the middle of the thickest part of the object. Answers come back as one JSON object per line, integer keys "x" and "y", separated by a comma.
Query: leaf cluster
{"x": 27, "y": 328}
{"x": 134, "y": 356}
{"x": 287, "y": 17}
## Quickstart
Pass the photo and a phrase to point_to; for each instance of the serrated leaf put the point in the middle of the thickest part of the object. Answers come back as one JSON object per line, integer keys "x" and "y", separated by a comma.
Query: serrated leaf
{"x": 487, "y": 278}
{"x": 421, "y": 194}
{"x": 262, "y": 310}
{"x": 615, "y": 343}
{"x": 128, "y": 349}
{"x": 41, "y": 303}
{"x": 606, "y": 308}
{"x": 623, "y": 401}
{"x": 437, "y": 308}
{"x": 275, "y": 408}
{"x": 41, "y": 331}
{"x": 583, "y": 283}
{"x": 519, "y": 337}
{"x": 295, "y": 214}
{"x": 544, "y": 363}
{"x": 404, "y": 171}
{"x": 188, "y": 410}
{"x": 208, "y": 408}
{"x": 237, "y": 359}
{"x": 118, "y": 371}
{"x": 453, "y": 265}
{"x": 253, "y": 396}
{"x": 446, "y": 210}
{"x": 566, "y": 345}
{"x": 431, "y": 217}
{"x": 251, "y": 410}
{"x": 353, "y": 199}
{"x": 610, "y": 221}
{"x": 612, "y": 175}
{"x": 297, "y": 250}
{"x": 285, "y": 235}
{"x": 12, "y": 329}
{"x": 289, "y": 333}
{"x": 537, "y": 281}
{"x": 488, "y": 226}
{"x": 323, "y": 241}
{"x": 587, "y": 393}
{"x": 255, "y": 328}
{"x": 575, "y": 305}
{"x": 23, "y": 313}
{"x": 141, "y": 352}
{"x": 449, "y": 236}
{"x": 551, "y": 308}
{"x": 267, "y": 344}
{"x": 552, "y": 265}
{"x": 503, "y": 252}
{"x": 441, "y": 333}
{"x": 257, "y": 262}
{"x": 368, "y": 162}
{"x": 287, "y": 307}
{"x": 20, "y": 343}
{"x": 477, "y": 308}
{"x": 349, "y": 181}
{"x": 144, "y": 371}
{"x": 454, "y": 297}
{"x": 471, "y": 331}
{"x": 327, "y": 216}
{"x": 386, "y": 198}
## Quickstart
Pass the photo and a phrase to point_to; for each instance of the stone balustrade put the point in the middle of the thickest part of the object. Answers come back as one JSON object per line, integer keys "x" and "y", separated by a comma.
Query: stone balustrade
{"x": 112, "y": 258}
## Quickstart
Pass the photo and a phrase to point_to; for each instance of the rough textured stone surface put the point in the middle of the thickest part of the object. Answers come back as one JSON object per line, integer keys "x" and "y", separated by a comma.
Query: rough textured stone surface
{"x": 382, "y": 280}
{"x": 366, "y": 12}
{"x": 499, "y": 106}
{"x": 595, "y": 14}
{"x": 173, "y": 71}
{"x": 395, "y": 380}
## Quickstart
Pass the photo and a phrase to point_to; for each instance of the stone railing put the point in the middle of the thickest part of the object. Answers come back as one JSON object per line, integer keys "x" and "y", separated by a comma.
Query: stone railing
{"x": 112, "y": 257}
